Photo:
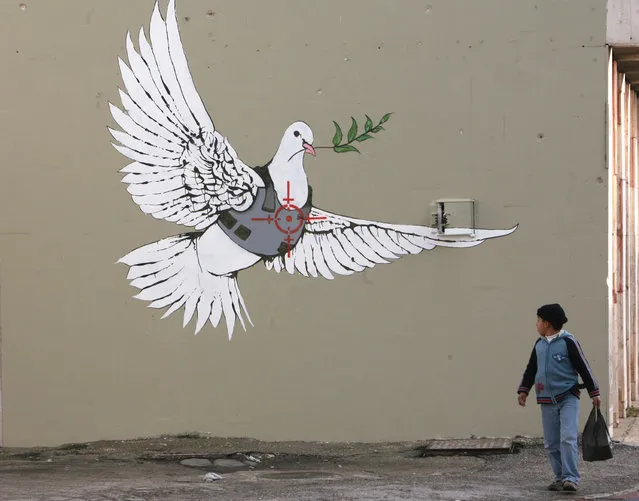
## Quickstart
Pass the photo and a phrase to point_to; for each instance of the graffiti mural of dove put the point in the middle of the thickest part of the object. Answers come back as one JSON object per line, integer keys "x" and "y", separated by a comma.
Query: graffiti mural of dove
{"x": 185, "y": 171}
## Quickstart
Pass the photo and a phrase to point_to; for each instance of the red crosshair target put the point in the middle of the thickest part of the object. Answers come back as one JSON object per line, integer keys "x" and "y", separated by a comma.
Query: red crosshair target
{"x": 289, "y": 224}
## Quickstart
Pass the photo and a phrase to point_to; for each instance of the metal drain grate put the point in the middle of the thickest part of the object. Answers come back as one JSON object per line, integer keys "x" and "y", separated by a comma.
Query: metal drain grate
{"x": 469, "y": 446}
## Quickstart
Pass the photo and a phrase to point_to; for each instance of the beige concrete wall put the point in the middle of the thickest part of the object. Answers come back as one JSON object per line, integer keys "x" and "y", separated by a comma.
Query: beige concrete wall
{"x": 622, "y": 23}
{"x": 495, "y": 100}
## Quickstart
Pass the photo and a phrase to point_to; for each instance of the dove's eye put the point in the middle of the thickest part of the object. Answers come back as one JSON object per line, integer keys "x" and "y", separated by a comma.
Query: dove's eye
{"x": 296, "y": 134}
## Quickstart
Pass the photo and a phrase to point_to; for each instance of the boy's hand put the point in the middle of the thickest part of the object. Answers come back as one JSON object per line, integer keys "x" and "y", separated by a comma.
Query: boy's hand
{"x": 596, "y": 401}
{"x": 522, "y": 399}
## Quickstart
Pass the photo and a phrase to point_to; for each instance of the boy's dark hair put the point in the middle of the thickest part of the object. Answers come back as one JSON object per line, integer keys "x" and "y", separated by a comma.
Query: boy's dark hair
{"x": 554, "y": 314}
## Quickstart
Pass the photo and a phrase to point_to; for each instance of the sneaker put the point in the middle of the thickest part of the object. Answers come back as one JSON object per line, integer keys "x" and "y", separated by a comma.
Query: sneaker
{"x": 557, "y": 485}
{"x": 570, "y": 486}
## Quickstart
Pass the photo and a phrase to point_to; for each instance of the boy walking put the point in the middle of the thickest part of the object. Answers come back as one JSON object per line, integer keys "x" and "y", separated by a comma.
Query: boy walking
{"x": 554, "y": 364}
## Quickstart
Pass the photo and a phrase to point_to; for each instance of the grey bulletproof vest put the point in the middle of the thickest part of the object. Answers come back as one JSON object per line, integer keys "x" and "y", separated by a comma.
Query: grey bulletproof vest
{"x": 267, "y": 228}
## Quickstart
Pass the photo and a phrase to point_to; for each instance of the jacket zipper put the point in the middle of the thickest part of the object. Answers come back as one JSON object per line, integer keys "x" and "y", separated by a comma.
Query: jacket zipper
{"x": 552, "y": 397}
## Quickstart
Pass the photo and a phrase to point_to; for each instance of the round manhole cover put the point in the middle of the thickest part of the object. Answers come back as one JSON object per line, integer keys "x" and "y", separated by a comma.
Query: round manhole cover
{"x": 299, "y": 475}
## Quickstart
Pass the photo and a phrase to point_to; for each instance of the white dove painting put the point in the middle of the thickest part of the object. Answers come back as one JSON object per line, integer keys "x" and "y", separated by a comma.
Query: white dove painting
{"x": 185, "y": 171}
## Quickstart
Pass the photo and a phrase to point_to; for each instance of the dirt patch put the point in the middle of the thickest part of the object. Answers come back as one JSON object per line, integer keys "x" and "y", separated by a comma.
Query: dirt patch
{"x": 151, "y": 469}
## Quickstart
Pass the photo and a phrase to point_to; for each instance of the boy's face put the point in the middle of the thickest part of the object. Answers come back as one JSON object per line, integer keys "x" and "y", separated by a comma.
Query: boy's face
{"x": 542, "y": 326}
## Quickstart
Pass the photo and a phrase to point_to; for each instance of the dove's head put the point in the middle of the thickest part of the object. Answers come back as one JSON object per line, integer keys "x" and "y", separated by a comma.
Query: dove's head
{"x": 297, "y": 140}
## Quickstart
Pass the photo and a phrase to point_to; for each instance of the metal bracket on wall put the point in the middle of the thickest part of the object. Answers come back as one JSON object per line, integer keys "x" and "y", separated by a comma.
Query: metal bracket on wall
{"x": 454, "y": 216}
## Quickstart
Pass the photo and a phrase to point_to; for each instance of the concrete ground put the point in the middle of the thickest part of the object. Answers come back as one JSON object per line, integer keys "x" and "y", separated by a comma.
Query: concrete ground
{"x": 188, "y": 468}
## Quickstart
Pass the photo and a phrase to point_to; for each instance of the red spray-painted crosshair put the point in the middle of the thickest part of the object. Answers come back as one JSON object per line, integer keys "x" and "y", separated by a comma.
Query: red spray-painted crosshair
{"x": 289, "y": 224}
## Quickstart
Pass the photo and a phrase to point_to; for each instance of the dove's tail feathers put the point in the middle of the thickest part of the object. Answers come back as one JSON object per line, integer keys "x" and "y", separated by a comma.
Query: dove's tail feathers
{"x": 168, "y": 273}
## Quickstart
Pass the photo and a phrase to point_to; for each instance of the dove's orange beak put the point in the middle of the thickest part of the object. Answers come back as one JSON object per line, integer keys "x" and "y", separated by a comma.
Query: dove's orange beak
{"x": 309, "y": 148}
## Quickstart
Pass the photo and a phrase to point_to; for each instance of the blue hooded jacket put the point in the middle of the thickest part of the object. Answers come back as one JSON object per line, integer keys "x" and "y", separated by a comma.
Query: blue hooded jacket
{"x": 554, "y": 367}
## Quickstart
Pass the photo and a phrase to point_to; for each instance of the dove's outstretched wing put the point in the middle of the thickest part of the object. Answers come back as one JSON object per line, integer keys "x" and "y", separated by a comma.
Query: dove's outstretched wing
{"x": 343, "y": 245}
{"x": 184, "y": 171}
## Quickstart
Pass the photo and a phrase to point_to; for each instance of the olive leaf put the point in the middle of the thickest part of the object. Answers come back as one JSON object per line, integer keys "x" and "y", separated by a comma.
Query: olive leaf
{"x": 369, "y": 124}
{"x": 352, "y": 132}
{"x": 337, "y": 138}
{"x": 385, "y": 118}
{"x": 344, "y": 148}
{"x": 363, "y": 137}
